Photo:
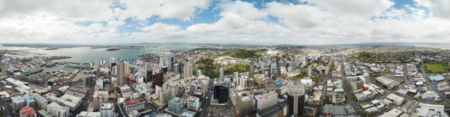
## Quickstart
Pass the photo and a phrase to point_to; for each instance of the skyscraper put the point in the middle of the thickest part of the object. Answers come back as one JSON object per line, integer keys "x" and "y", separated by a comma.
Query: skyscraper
{"x": 171, "y": 63}
{"x": 126, "y": 68}
{"x": 113, "y": 66}
{"x": 296, "y": 99}
{"x": 187, "y": 69}
{"x": 221, "y": 73}
{"x": 250, "y": 74}
{"x": 149, "y": 75}
{"x": 176, "y": 68}
{"x": 162, "y": 60}
{"x": 122, "y": 72}
{"x": 221, "y": 92}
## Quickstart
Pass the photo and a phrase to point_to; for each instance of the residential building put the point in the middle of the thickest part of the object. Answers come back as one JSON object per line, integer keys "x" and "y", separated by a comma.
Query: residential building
{"x": 17, "y": 103}
{"x": 266, "y": 100}
{"x": 27, "y": 111}
{"x": 57, "y": 110}
{"x": 107, "y": 110}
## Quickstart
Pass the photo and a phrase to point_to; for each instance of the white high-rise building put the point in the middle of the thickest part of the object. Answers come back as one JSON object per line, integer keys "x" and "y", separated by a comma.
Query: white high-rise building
{"x": 107, "y": 110}
{"x": 187, "y": 69}
{"x": 176, "y": 68}
{"x": 266, "y": 100}
{"x": 126, "y": 68}
{"x": 113, "y": 65}
{"x": 57, "y": 110}
{"x": 99, "y": 82}
{"x": 17, "y": 102}
{"x": 221, "y": 73}
{"x": 122, "y": 72}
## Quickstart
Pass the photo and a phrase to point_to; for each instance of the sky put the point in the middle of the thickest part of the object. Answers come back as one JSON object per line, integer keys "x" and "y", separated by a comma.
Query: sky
{"x": 301, "y": 22}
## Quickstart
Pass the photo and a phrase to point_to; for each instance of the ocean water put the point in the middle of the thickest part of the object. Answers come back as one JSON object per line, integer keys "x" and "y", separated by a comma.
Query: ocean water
{"x": 88, "y": 54}
{"x": 445, "y": 46}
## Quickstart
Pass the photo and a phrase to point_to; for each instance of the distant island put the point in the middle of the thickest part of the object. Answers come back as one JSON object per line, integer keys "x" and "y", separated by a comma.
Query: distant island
{"x": 112, "y": 49}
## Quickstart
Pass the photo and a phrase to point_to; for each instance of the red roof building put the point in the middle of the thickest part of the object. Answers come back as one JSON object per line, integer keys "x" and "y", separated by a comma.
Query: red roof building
{"x": 27, "y": 111}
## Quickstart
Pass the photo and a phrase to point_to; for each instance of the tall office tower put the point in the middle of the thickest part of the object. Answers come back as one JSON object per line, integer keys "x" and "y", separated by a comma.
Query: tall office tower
{"x": 113, "y": 66}
{"x": 296, "y": 99}
{"x": 126, "y": 68}
{"x": 120, "y": 73}
{"x": 221, "y": 73}
{"x": 250, "y": 73}
{"x": 167, "y": 61}
{"x": 309, "y": 71}
{"x": 261, "y": 65}
{"x": 149, "y": 75}
{"x": 176, "y": 68}
{"x": 273, "y": 70}
{"x": 171, "y": 63}
{"x": 221, "y": 92}
{"x": 187, "y": 69}
{"x": 162, "y": 60}
{"x": 278, "y": 66}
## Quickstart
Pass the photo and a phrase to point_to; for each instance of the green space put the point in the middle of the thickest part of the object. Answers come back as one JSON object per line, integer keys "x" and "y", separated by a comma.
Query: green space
{"x": 332, "y": 65}
{"x": 243, "y": 54}
{"x": 436, "y": 68}
{"x": 367, "y": 113}
{"x": 26, "y": 60}
{"x": 207, "y": 67}
{"x": 389, "y": 57}
{"x": 212, "y": 70}
{"x": 354, "y": 97}
{"x": 301, "y": 75}
{"x": 326, "y": 101}
{"x": 230, "y": 69}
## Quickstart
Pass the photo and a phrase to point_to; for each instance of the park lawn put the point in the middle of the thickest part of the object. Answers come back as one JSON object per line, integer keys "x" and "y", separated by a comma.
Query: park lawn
{"x": 296, "y": 78}
{"x": 244, "y": 54}
{"x": 436, "y": 68}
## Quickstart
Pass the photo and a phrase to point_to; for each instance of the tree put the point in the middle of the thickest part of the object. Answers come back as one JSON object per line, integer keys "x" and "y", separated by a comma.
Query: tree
{"x": 354, "y": 97}
{"x": 243, "y": 54}
{"x": 208, "y": 67}
{"x": 300, "y": 76}
{"x": 367, "y": 113}
{"x": 326, "y": 101}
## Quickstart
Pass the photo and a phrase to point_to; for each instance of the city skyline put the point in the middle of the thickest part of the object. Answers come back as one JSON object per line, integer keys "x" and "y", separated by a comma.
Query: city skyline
{"x": 268, "y": 22}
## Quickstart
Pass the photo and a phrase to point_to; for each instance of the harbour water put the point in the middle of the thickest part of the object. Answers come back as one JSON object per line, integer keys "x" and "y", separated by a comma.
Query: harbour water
{"x": 91, "y": 54}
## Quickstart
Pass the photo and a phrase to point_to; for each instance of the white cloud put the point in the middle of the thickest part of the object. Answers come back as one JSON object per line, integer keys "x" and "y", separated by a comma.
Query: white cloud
{"x": 296, "y": 15}
{"x": 439, "y": 8}
{"x": 243, "y": 9}
{"x": 160, "y": 27}
{"x": 179, "y": 9}
{"x": 48, "y": 28}
{"x": 365, "y": 8}
{"x": 322, "y": 22}
{"x": 68, "y": 9}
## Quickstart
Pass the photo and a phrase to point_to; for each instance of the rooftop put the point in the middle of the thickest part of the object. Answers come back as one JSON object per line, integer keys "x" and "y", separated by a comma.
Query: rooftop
{"x": 436, "y": 78}
{"x": 27, "y": 110}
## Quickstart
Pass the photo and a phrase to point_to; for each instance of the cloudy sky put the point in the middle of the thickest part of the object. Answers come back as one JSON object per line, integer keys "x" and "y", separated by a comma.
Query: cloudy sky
{"x": 224, "y": 21}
